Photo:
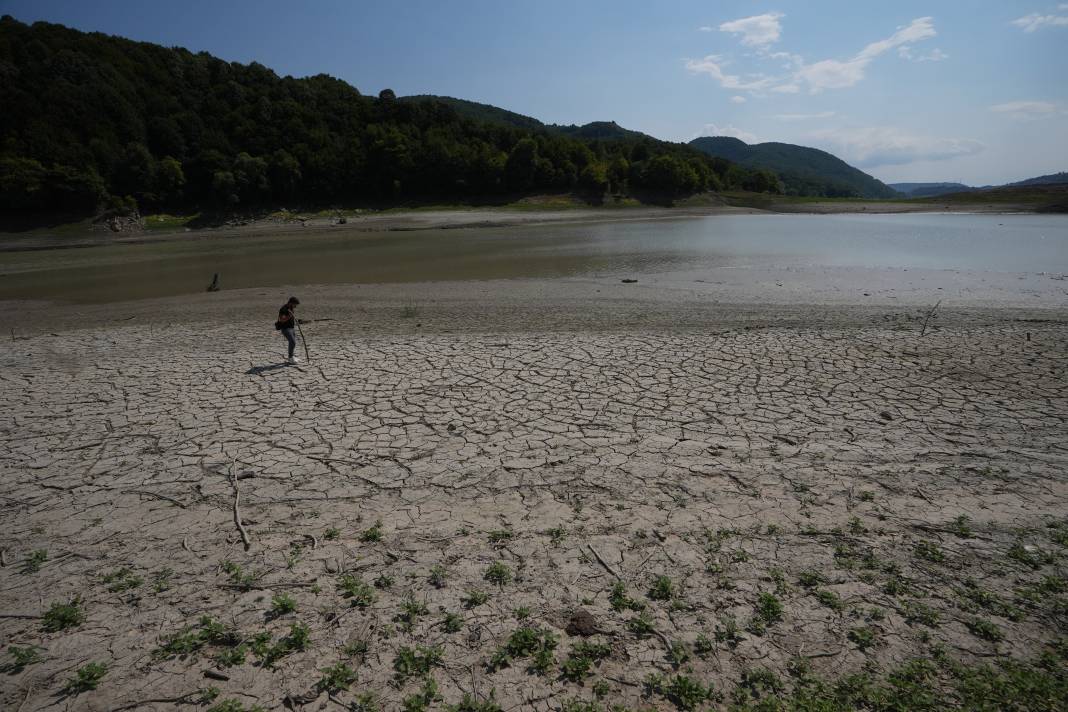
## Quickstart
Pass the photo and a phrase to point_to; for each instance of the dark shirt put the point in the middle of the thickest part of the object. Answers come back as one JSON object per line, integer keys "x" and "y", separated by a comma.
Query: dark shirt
{"x": 284, "y": 312}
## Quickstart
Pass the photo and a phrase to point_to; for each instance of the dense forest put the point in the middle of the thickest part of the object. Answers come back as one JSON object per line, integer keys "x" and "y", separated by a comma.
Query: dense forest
{"x": 93, "y": 121}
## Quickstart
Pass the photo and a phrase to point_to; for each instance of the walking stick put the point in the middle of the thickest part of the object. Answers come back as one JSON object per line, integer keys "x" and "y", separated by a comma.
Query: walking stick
{"x": 303, "y": 340}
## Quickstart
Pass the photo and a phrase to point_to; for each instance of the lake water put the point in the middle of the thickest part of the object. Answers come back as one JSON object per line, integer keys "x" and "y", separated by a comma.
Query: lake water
{"x": 999, "y": 243}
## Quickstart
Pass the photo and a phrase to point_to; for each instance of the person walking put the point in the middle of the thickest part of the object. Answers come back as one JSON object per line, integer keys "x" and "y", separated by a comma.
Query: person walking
{"x": 287, "y": 324}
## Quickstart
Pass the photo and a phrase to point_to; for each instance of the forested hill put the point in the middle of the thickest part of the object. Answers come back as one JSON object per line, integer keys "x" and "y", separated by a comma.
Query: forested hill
{"x": 89, "y": 119}
{"x": 804, "y": 171}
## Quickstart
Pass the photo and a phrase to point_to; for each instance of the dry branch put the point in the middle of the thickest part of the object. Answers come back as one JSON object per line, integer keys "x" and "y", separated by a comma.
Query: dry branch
{"x": 604, "y": 563}
{"x": 237, "y": 510}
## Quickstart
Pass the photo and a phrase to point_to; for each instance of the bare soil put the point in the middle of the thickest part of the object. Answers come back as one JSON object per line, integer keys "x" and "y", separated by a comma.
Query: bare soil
{"x": 894, "y": 479}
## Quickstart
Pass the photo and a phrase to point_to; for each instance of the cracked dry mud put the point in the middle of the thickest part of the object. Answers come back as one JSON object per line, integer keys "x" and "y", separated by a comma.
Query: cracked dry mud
{"x": 730, "y": 461}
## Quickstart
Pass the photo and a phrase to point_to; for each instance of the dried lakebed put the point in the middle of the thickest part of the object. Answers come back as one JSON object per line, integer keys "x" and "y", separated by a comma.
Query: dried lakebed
{"x": 656, "y": 518}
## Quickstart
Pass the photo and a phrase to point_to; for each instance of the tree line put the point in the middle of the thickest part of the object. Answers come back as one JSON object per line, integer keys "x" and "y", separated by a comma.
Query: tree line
{"x": 93, "y": 121}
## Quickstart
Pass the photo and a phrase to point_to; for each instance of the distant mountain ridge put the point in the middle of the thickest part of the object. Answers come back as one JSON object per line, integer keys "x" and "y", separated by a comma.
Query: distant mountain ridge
{"x": 804, "y": 170}
{"x": 927, "y": 190}
{"x": 930, "y": 190}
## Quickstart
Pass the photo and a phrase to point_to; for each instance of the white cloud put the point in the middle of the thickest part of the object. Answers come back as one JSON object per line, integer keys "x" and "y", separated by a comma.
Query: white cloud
{"x": 728, "y": 130}
{"x": 935, "y": 55}
{"x": 1032, "y": 22}
{"x": 825, "y": 74}
{"x": 756, "y": 31}
{"x": 706, "y": 28}
{"x": 833, "y": 74}
{"x": 804, "y": 117}
{"x": 1026, "y": 109}
{"x": 713, "y": 66}
{"x": 886, "y": 146}
{"x": 737, "y": 99}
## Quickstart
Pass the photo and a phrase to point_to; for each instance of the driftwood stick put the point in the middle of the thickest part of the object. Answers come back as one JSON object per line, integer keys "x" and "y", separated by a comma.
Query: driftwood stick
{"x": 604, "y": 563}
{"x": 237, "y": 511}
{"x": 928, "y": 318}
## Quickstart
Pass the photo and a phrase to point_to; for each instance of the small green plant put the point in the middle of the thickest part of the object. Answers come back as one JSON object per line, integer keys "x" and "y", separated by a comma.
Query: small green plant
{"x": 298, "y": 639}
{"x": 161, "y": 580}
{"x": 86, "y": 678}
{"x": 33, "y": 561}
{"x": 383, "y": 582}
{"x": 336, "y": 678}
{"x": 474, "y": 598}
{"x": 521, "y": 613}
{"x": 863, "y": 637}
{"x": 411, "y": 609}
{"x": 641, "y": 625}
{"x": 421, "y": 701}
{"x": 22, "y": 658}
{"x": 856, "y": 526}
{"x": 61, "y": 616}
{"x": 281, "y": 605}
{"x": 982, "y": 628}
{"x": 415, "y": 662}
{"x": 238, "y": 576}
{"x": 409, "y": 311}
{"x": 524, "y": 642}
{"x": 498, "y": 573}
{"x": 768, "y": 608}
{"x": 662, "y": 589}
{"x": 331, "y": 534}
{"x": 727, "y": 632}
{"x": 961, "y": 527}
{"x": 678, "y": 654}
{"x": 372, "y": 535}
{"x": 452, "y": 623}
{"x": 229, "y": 657}
{"x": 866, "y": 496}
{"x": 1030, "y": 555}
{"x": 365, "y": 702}
{"x": 703, "y": 647}
{"x": 188, "y": 640}
{"x": 360, "y": 594}
{"x": 580, "y": 661}
{"x": 921, "y": 613}
{"x": 682, "y": 690}
{"x": 620, "y": 601}
{"x": 437, "y": 576}
{"x": 810, "y": 579}
{"x": 929, "y": 551}
{"x": 830, "y": 599}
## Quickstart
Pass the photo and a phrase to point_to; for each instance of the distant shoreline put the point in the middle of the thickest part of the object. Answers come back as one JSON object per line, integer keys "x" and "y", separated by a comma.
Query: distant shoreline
{"x": 464, "y": 217}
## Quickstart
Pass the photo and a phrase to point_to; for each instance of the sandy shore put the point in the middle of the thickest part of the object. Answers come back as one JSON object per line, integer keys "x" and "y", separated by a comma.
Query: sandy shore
{"x": 817, "y": 482}
{"x": 429, "y": 219}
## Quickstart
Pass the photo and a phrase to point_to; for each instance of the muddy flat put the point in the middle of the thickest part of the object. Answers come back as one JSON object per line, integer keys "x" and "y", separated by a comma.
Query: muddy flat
{"x": 549, "y": 490}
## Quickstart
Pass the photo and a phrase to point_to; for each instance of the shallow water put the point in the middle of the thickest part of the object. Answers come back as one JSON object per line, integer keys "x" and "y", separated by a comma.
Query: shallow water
{"x": 1001, "y": 243}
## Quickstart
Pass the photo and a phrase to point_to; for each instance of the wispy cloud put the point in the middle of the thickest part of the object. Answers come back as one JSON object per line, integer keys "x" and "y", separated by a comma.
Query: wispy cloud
{"x": 736, "y": 99}
{"x": 818, "y": 76}
{"x": 1034, "y": 21}
{"x": 803, "y": 117}
{"x": 714, "y": 66}
{"x": 868, "y": 147}
{"x": 935, "y": 55}
{"x": 1027, "y": 109}
{"x": 834, "y": 74}
{"x": 758, "y": 30}
{"x": 728, "y": 130}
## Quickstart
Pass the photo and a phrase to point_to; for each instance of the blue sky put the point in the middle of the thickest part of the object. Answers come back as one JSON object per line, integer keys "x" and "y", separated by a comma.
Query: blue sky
{"x": 968, "y": 90}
